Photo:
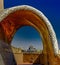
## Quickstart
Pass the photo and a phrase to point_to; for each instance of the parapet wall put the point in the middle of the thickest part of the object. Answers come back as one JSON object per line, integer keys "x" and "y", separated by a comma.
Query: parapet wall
{"x": 35, "y": 58}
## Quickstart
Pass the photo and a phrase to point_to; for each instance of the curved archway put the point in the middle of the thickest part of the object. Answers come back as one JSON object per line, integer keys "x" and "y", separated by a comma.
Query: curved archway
{"x": 14, "y": 18}
{"x": 25, "y": 37}
{"x": 27, "y": 43}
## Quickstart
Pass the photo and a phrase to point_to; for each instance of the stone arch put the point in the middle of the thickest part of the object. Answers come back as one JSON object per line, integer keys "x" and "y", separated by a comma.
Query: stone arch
{"x": 13, "y": 18}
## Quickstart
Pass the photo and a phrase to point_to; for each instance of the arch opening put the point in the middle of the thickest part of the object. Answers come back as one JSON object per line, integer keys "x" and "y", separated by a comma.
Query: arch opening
{"x": 29, "y": 34}
{"x": 20, "y": 18}
{"x": 23, "y": 20}
{"x": 28, "y": 45}
{"x": 25, "y": 15}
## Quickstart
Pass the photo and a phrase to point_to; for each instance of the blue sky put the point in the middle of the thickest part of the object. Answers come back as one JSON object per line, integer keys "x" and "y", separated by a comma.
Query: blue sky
{"x": 50, "y": 8}
{"x": 27, "y": 36}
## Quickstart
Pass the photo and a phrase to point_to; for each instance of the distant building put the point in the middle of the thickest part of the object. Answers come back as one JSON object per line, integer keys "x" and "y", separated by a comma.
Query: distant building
{"x": 31, "y": 49}
{"x": 16, "y": 50}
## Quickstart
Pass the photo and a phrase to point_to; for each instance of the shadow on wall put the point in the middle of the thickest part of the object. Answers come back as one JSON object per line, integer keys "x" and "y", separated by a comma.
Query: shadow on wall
{"x": 7, "y": 57}
{"x": 34, "y": 58}
{"x": 7, "y": 54}
{"x": 39, "y": 59}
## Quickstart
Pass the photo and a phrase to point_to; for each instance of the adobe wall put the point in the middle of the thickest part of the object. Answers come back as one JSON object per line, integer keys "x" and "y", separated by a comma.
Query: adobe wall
{"x": 35, "y": 58}
{"x": 18, "y": 58}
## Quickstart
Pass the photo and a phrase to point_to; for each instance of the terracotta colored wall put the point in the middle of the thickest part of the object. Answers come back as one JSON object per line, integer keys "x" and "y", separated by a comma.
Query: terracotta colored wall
{"x": 33, "y": 58}
{"x": 29, "y": 58}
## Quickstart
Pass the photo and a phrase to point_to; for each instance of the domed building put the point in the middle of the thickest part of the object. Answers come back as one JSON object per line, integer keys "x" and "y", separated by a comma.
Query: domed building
{"x": 31, "y": 49}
